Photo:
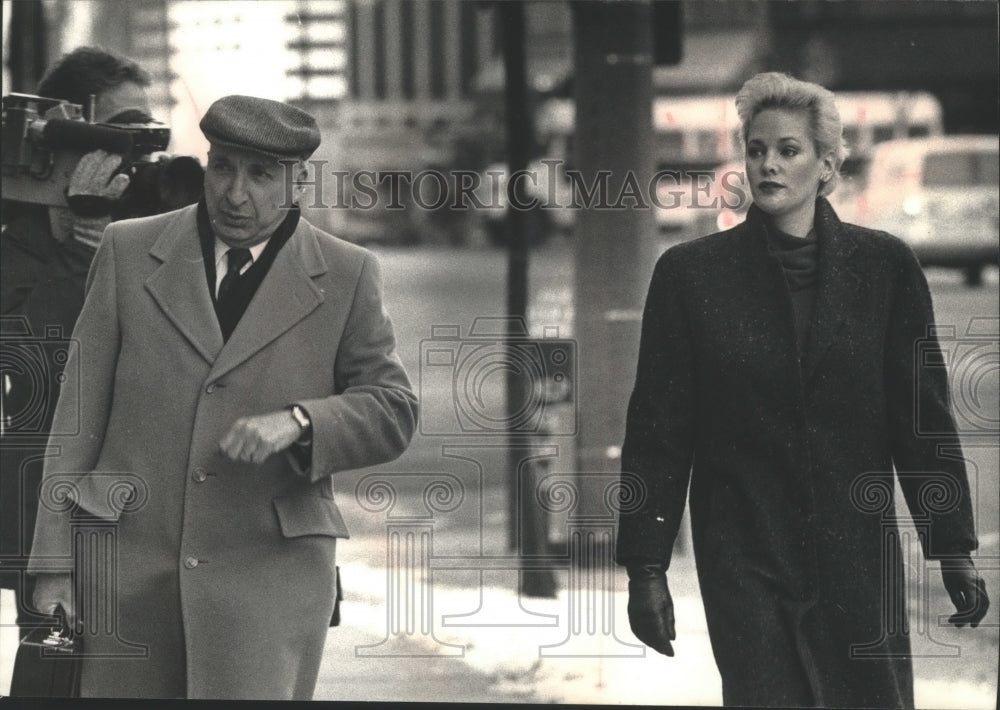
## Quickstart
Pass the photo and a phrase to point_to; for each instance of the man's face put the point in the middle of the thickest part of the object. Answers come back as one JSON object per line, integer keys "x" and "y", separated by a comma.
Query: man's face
{"x": 107, "y": 104}
{"x": 245, "y": 195}
{"x": 113, "y": 101}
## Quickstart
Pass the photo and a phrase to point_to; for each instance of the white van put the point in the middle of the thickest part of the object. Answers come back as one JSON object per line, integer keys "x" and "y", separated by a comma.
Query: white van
{"x": 940, "y": 195}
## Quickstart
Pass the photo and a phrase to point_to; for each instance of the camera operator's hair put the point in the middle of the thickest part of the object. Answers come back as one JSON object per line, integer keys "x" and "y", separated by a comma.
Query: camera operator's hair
{"x": 86, "y": 71}
{"x": 774, "y": 90}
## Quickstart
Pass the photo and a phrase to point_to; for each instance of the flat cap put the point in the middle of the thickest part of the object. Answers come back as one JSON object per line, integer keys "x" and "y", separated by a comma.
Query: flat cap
{"x": 269, "y": 127}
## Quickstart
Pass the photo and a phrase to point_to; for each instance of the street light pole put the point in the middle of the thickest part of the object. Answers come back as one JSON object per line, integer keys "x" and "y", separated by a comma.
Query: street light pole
{"x": 614, "y": 134}
{"x": 526, "y": 532}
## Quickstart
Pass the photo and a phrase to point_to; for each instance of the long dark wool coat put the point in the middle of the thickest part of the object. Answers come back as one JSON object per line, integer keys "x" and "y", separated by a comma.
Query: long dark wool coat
{"x": 793, "y": 458}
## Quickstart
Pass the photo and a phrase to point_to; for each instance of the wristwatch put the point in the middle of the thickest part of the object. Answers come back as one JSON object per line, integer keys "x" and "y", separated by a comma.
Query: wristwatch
{"x": 302, "y": 419}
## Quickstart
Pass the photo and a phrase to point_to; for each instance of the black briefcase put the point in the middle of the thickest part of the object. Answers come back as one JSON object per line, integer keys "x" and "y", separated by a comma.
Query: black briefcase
{"x": 47, "y": 664}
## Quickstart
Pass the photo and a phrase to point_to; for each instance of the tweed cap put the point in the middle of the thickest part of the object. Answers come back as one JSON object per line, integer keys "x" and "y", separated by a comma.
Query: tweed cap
{"x": 269, "y": 127}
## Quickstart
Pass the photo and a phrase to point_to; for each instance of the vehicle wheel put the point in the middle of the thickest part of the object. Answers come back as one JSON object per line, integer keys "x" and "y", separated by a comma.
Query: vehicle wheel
{"x": 974, "y": 276}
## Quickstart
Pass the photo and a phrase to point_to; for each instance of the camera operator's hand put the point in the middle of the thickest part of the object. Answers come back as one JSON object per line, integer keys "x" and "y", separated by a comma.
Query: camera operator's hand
{"x": 967, "y": 591}
{"x": 93, "y": 189}
{"x": 650, "y": 608}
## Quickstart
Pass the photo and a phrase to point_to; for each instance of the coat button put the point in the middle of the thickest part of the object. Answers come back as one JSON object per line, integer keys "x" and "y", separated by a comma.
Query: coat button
{"x": 191, "y": 562}
{"x": 210, "y": 389}
{"x": 199, "y": 475}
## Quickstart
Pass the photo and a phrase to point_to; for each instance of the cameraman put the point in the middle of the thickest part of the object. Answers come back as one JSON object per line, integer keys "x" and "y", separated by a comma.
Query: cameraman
{"x": 45, "y": 254}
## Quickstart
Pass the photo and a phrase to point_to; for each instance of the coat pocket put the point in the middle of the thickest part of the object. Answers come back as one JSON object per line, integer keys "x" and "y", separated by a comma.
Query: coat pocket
{"x": 309, "y": 515}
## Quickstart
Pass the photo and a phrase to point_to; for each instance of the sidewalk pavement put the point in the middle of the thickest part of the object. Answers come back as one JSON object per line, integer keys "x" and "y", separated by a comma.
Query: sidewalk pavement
{"x": 513, "y": 662}
{"x": 505, "y": 661}
{"x": 520, "y": 650}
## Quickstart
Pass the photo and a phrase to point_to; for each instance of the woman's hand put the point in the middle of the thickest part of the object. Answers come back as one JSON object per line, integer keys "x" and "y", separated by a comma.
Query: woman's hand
{"x": 650, "y": 608}
{"x": 967, "y": 591}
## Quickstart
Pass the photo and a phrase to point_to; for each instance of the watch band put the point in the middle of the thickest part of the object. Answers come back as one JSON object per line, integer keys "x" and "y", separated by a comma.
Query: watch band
{"x": 305, "y": 424}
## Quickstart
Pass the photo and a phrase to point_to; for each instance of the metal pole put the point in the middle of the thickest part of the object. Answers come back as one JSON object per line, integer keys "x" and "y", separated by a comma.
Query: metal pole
{"x": 518, "y": 125}
{"x": 526, "y": 532}
{"x": 614, "y": 247}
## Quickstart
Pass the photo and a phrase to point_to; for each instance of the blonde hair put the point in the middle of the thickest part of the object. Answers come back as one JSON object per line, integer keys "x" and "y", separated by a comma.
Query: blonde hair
{"x": 774, "y": 90}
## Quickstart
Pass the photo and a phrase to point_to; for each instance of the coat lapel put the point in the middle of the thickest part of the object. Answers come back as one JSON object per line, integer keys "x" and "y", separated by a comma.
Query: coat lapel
{"x": 838, "y": 286}
{"x": 286, "y": 296}
{"x": 180, "y": 286}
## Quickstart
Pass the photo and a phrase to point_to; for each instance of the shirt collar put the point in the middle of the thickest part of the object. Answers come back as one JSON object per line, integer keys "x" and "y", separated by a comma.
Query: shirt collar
{"x": 220, "y": 254}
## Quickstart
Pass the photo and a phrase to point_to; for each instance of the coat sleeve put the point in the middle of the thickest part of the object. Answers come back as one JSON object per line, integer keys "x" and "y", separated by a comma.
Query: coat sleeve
{"x": 371, "y": 417}
{"x": 926, "y": 450}
{"x": 81, "y": 414}
{"x": 659, "y": 431}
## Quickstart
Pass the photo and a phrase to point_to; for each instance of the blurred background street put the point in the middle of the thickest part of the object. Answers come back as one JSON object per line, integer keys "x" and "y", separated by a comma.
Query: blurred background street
{"x": 460, "y": 583}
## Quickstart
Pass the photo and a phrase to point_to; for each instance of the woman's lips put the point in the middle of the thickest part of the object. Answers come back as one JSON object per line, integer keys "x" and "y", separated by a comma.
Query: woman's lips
{"x": 768, "y": 185}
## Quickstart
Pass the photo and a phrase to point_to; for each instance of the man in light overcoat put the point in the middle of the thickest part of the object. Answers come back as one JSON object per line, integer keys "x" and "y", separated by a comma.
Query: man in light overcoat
{"x": 231, "y": 359}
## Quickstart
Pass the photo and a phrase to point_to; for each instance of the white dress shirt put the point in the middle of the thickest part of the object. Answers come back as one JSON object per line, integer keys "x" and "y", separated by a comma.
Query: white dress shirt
{"x": 222, "y": 263}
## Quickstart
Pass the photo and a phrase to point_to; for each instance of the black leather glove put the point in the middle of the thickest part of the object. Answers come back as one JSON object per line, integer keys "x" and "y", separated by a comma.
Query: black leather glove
{"x": 650, "y": 608}
{"x": 967, "y": 591}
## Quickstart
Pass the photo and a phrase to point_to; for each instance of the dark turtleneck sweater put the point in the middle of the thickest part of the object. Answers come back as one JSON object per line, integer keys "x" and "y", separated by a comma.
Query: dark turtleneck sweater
{"x": 799, "y": 258}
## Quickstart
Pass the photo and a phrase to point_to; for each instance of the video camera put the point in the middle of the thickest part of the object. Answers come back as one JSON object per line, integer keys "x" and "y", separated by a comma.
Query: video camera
{"x": 43, "y": 140}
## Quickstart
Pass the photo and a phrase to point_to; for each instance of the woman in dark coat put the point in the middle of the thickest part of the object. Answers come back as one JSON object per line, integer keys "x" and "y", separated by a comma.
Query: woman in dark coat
{"x": 776, "y": 376}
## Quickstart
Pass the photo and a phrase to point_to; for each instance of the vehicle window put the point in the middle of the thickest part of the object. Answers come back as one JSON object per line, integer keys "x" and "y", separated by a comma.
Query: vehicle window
{"x": 854, "y": 166}
{"x": 963, "y": 168}
{"x": 882, "y": 133}
{"x": 671, "y": 143}
{"x": 708, "y": 145}
{"x": 855, "y": 171}
{"x": 851, "y": 137}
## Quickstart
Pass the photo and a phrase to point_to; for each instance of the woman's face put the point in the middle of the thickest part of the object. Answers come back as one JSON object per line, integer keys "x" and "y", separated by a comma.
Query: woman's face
{"x": 783, "y": 168}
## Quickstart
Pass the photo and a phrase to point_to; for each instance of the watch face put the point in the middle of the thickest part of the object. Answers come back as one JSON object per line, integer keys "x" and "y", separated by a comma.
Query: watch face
{"x": 300, "y": 417}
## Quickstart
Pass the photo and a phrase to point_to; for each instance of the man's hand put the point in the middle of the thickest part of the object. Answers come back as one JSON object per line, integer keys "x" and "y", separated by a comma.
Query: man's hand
{"x": 93, "y": 188}
{"x": 650, "y": 608}
{"x": 253, "y": 439}
{"x": 967, "y": 591}
{"x": 53, "y": 591}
